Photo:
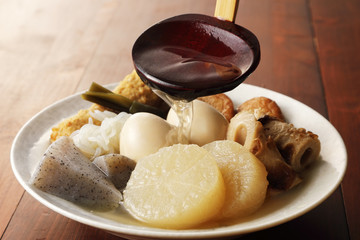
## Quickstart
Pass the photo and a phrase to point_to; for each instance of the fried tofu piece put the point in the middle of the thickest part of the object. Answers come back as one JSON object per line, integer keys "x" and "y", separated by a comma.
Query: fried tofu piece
{"x": 133, "y": 88}
{"x": 70, "y": 125}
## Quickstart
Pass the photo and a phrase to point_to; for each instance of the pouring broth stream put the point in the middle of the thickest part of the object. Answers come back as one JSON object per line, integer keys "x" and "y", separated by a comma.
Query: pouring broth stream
{"x": 189, "y": 56}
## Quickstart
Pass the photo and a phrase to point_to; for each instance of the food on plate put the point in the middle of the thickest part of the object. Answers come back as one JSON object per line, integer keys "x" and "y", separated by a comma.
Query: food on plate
{"x": 222, "y": 103}
{"x": 65, "y": 172}
{"x": 230, "y": 166}
{"x": 244, "y": 177}
{"x": 116, "y": 167}
{"x": 208, "y": 124}
{"x": 130, "y": 87}
{"x": 261, "y": 107}
{"x": 133, "y": 88}
{"x": 299, "y": 147}
{"x": 246, "y": 130}
{"x": 95, "y": 140}
{"x": 70, "y": 125}
{"x": 178, "y": 187}
{"x": 118, "y": 103}
{"x": 144, "y": 134}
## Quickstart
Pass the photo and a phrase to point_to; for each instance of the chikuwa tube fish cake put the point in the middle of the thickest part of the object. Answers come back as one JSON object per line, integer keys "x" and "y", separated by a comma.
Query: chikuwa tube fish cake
{"x": 249, "y": 132}
{"x": 299, "y": 147}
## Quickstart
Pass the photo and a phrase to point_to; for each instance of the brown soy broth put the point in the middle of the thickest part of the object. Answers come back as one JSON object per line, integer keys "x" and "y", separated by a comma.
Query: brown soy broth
{"x": 192, "y": 59}
{"x": 189, "y": 68}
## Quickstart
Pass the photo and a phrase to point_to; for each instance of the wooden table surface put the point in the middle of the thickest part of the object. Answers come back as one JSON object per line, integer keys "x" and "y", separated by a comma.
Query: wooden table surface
{"x": 52, "y": 49}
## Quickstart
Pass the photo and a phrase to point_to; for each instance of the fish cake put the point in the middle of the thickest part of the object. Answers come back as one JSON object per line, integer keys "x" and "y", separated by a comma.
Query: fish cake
{"x": 222, "y": 103}
{"x": 261, "y": 107}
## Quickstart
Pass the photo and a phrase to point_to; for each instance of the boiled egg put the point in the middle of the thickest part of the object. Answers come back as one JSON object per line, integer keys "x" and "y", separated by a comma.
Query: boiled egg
{"x": 208, "y": 124}
{"x": 143, "y": 134}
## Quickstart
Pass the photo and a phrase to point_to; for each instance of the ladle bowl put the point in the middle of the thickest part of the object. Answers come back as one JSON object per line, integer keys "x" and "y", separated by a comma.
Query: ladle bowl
{"x": 193, "y": 55}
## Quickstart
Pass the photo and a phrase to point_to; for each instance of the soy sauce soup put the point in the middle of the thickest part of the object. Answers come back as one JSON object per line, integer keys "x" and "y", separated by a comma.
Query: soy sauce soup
{"x": 195, "y": 55}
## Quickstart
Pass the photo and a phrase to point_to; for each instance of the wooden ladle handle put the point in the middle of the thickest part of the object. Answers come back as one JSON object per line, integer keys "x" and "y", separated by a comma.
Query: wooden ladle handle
{"x": 226, "y": 9}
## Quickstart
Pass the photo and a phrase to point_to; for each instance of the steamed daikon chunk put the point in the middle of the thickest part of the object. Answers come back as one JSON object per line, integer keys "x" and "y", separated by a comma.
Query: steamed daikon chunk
{"x": 177, "y": 187}
{"x": 65, "y": 172}
{"x": 117, "y": 167}
{"x": 244, "y": 177}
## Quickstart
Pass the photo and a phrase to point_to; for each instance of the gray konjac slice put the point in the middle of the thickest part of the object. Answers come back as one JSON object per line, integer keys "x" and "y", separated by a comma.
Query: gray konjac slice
{"x": 65, "y": 172}
{"x": 117, "y": 167}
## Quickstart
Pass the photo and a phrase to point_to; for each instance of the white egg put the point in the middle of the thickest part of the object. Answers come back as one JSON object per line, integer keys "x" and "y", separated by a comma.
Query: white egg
{"x": 208, "y": 124}
{"x": 144, "y": 134}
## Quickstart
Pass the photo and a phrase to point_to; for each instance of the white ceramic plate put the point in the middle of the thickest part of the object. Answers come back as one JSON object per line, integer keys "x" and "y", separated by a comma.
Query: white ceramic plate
{"x": 320, "y": 181}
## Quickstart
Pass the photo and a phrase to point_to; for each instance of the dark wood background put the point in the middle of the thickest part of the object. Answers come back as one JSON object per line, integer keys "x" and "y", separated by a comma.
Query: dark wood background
{"x": 52, "y": 49}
